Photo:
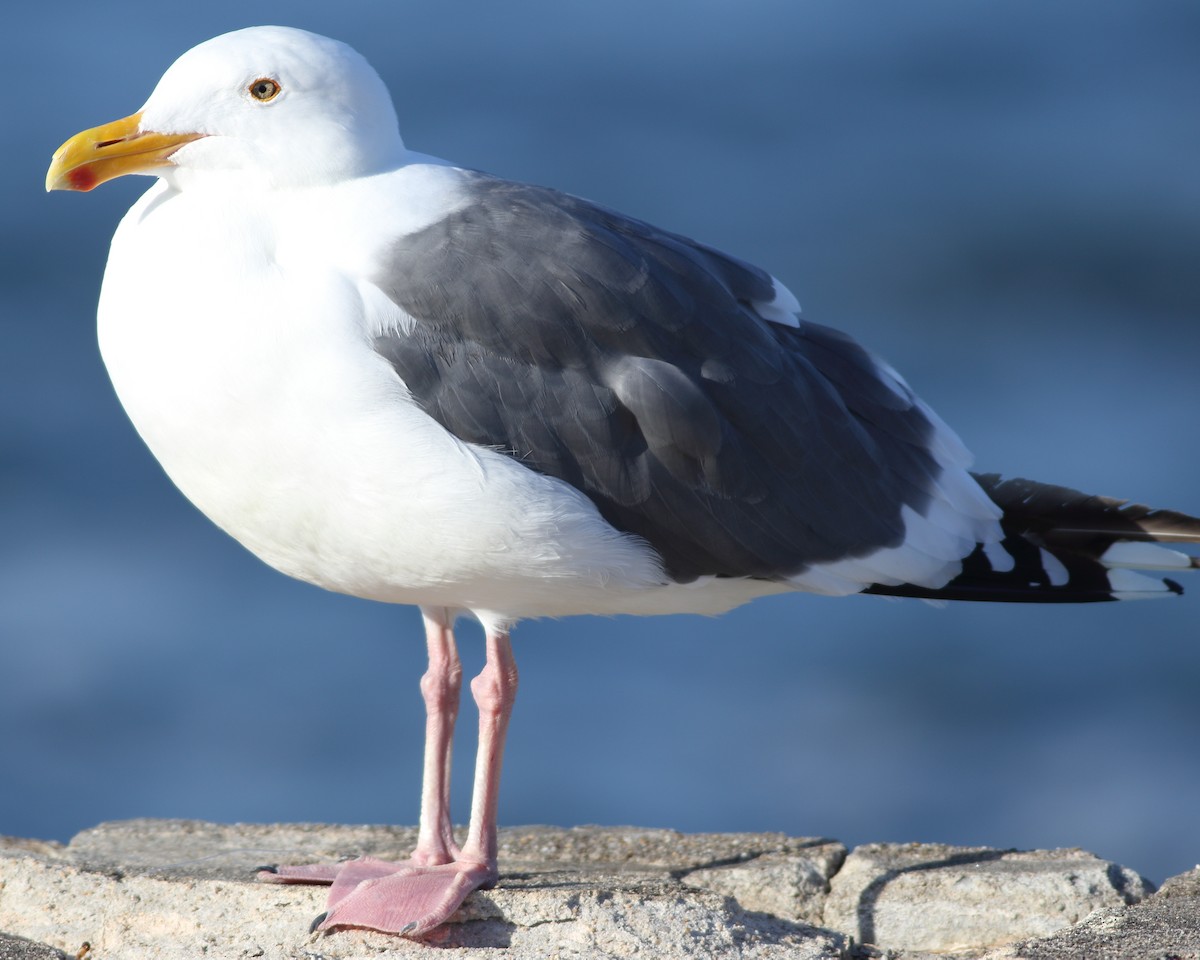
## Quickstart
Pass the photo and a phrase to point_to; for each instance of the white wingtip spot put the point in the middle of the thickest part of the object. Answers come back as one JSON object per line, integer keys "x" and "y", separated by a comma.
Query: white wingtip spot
{"x": 1000, "y": 559}
{"x": 1147, "y": 556}
{"x": 1130, "y": 585}
{"x": 1054, "y": 569}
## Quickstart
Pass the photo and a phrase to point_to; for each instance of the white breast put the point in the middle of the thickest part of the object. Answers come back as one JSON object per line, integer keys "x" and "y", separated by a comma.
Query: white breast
{"x": 244, "y": 360}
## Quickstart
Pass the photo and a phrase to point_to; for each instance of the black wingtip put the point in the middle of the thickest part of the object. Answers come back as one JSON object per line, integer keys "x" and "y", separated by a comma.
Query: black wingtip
{"x": 1173, "y": 586}
{"x": 317, "y": 921}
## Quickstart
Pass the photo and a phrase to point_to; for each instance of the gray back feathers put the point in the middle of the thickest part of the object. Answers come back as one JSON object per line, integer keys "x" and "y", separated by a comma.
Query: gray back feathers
{"x": 630, "y": 363}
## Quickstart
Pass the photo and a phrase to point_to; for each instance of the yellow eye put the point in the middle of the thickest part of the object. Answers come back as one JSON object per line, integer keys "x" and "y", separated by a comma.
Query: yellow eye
{"x": 264, "y": 89}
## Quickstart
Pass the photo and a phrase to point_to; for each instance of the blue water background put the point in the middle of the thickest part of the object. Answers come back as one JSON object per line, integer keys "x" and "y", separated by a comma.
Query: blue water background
{"x": 1002, "y": 199}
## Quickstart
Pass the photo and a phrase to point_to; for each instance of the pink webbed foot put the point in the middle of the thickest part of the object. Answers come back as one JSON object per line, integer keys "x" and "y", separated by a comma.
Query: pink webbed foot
{"x": 410, "y": 902}
{"x": 398, "y": 898}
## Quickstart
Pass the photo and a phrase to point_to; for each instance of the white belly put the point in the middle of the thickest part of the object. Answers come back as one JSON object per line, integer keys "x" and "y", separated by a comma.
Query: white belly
{"x": 251, "y": 377}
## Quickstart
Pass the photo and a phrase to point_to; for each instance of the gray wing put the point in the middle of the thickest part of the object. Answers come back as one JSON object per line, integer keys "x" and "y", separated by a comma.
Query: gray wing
{"x": 630, "y": 363}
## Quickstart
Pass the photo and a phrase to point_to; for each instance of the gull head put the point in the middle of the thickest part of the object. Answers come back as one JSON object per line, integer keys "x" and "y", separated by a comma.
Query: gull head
{"x": 265, "y": 107}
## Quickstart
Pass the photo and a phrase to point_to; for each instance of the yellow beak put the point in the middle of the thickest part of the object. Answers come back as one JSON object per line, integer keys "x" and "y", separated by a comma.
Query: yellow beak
{"x": 113, "y": 150}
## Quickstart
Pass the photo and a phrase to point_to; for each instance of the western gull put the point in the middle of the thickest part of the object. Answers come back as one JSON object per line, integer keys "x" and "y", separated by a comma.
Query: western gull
{"x": 400, "y": 379}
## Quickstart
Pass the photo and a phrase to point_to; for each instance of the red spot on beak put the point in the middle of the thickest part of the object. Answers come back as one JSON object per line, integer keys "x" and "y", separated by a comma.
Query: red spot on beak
{"x": 81, "y": 178}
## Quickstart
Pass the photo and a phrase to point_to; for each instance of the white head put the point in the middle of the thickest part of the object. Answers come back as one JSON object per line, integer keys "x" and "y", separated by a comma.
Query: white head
{"x": 283, "y": 106}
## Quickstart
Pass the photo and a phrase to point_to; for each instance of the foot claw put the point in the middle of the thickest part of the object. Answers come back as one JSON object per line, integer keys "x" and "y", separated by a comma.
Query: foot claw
{"x": 266, "y": 868}
{"x": 317, "y": 921}
{"x": 407, "y": 929}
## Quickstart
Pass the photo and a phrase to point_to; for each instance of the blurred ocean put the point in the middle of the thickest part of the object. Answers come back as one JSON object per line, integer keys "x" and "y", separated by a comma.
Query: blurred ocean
{"x": 1002, "y": 199}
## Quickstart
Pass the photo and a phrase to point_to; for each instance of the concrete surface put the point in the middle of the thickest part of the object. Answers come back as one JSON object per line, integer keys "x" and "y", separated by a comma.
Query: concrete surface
{"x": 162, "y": 890}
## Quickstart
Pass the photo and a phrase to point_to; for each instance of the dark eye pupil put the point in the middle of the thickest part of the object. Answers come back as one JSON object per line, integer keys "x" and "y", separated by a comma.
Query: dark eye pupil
{"x": 264, "y": 89}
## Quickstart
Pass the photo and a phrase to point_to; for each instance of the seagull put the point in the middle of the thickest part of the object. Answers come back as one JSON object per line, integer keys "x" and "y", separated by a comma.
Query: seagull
{"x": 404, "y": 380}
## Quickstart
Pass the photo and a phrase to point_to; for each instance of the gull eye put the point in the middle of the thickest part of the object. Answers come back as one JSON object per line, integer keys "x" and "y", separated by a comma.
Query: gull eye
{"x": 264, "y": 89}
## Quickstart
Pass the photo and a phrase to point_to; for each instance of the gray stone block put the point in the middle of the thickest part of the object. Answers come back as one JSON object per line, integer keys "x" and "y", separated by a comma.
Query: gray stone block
{"x": 935, "y": 898}
{"x": 1165, "y": 926}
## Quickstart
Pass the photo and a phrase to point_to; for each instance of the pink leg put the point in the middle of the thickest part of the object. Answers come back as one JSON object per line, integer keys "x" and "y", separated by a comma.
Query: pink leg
{"x": 413, "y": 898}
{"x": 495, "y": 691}
{"x": 440, "y": 686}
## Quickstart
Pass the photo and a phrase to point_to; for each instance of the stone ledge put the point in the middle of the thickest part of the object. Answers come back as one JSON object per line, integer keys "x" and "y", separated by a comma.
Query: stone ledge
{"x": 934, "y": 898}
{"x": 162, "y": 890}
